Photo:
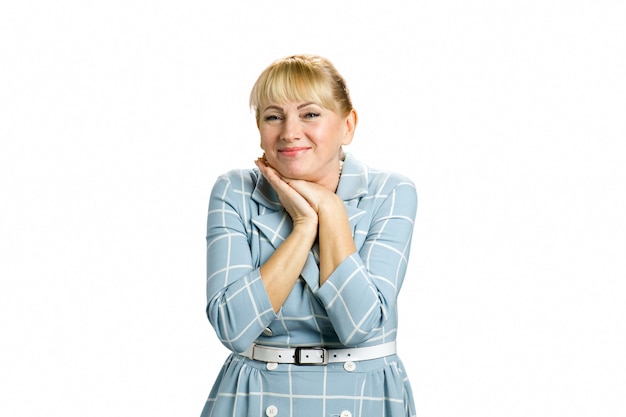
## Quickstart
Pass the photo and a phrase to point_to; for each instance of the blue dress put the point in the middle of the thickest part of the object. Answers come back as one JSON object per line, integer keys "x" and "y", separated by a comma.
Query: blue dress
{"x": 356, "y": 306}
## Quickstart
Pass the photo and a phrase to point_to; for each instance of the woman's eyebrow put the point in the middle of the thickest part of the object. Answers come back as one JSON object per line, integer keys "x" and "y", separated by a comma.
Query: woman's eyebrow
{"x": 273, "y": 107}
{"x": 301, "y": 106}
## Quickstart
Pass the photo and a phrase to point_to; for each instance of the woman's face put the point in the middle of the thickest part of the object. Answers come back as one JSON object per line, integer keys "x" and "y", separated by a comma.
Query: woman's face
{"x": 302, "y": 140}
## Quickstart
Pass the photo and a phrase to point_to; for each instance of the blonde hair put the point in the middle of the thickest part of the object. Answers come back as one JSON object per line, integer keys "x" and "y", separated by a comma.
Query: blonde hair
{"x": 301, "y": 78}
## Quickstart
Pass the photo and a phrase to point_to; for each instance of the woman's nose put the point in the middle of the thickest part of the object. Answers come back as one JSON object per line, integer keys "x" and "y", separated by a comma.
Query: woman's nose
{"x": 291, "y": 129}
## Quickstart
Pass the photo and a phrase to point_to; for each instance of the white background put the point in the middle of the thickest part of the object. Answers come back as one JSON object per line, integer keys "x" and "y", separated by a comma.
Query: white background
{"x": 117, "y": 116}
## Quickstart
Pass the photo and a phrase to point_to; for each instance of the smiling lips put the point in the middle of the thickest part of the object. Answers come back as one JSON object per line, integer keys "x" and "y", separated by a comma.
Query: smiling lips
{"x": 293, "y": 151}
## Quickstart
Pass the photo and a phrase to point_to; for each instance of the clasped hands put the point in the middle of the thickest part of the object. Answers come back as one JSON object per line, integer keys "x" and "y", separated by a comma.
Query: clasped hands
{"x": 303, "y": 200}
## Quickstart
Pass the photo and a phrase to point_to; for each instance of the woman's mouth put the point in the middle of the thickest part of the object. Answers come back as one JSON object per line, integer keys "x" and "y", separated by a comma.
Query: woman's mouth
{"x": 293, "y": 151}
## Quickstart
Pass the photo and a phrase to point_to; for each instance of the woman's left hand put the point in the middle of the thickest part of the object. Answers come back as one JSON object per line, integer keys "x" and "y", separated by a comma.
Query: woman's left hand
{"x": 315, "y": 194}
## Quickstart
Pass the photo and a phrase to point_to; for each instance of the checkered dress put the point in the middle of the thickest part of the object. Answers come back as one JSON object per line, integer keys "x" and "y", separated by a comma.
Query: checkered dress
{"x": 355, "y": 307}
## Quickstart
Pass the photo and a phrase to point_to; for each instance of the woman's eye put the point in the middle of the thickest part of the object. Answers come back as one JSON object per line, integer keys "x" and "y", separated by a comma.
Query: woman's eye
{"x": 311, "y": 115}
{"x": 271, "y": 117}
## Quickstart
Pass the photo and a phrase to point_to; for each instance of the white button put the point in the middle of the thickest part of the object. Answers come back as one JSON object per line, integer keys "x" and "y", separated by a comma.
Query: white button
{"x": 349, "y": 366}
{"x": 271, "y": 366}
{"x": 268, "y": 331}
{"x": 271, "y": 411}
{"x": 346, "y": 413}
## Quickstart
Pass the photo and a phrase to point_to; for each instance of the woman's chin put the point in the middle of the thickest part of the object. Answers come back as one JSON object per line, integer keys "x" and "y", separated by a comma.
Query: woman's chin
{"x": 291, "y": 173}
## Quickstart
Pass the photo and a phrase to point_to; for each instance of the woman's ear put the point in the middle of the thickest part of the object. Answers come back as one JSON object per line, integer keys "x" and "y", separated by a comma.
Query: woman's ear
{"x": 350, "y": 123}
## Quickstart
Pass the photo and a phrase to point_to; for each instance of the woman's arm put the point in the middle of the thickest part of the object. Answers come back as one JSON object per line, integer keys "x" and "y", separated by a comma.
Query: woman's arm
{"x": 238, "y": 306}
{"x": 242, "y": 300}
{"x": 335, "y": 236}
{"x": 282, "y": 269}
{"x": 284, "y": 266}
{"x": 361, "y": 292}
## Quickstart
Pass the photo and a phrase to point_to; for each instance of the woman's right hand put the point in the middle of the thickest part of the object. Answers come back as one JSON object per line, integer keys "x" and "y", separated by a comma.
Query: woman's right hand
{"x": 301, "y": 212}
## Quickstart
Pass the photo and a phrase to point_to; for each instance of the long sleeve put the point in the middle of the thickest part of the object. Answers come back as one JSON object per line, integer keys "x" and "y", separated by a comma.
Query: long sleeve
{"x": 237, "y": 304}
{"x": 360, "y": 295}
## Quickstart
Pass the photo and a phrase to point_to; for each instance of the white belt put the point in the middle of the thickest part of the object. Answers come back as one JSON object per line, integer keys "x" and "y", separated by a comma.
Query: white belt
{"x": 313, "y": 355}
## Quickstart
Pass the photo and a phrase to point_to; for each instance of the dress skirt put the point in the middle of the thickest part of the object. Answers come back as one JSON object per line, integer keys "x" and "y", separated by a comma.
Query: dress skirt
{"x": 372, "y": 388}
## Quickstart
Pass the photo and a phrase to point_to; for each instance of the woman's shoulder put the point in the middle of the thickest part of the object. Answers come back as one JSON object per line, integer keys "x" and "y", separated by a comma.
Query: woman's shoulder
{"x": 365, "y": 181}
{"x": 393, "y": 186}
{"x": 392, "y": 177}
{"x": 244, "y": 176}
{"x": 383, "y": 179}
{"x": 239, "y": 179}
{"x": 375, "y": 175}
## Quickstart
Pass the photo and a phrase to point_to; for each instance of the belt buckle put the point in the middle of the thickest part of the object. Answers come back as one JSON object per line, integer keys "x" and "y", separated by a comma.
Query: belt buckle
{"x": 311, "y": 356}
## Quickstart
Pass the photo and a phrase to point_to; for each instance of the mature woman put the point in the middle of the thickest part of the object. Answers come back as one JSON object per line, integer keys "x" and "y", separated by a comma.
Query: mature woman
{"x": 306, "y": 255}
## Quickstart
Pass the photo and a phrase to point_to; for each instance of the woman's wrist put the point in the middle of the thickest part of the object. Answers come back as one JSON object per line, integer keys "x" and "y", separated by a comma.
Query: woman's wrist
{"x": 305, "y": 229}
{"x": 331, "y": 205}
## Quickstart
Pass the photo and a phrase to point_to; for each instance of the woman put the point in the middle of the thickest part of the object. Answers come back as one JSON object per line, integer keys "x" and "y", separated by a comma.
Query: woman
{"x": 306, "y": 256}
